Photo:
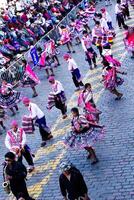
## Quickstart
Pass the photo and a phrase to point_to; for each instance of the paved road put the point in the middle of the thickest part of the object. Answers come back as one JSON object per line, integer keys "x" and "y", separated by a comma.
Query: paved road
{"x": 113, "y": 177}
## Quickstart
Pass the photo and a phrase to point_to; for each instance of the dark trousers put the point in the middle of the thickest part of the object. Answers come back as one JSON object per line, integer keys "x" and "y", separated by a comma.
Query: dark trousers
{"x": 61, "y": 106}
{"x": 43, "y": 128}
{"x": 120, "y": 20}
{"x": 76, "y": 82}
{"x": 20, "y": 188}
{"x": 100, "y": 49}
{"x": 90, "y": 60}
{"x": 126, "y": 11}
{"x": 110, "y": 25}
{"x": 27, "y": 155}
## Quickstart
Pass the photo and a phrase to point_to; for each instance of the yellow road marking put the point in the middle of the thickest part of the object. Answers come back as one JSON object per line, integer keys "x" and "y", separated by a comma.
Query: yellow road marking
{"x": 38, "y": 187}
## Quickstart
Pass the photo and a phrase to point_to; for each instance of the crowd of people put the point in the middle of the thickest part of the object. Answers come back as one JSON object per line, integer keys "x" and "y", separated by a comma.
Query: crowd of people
{"x": 85, "y": 125}
{"x": 23, "y": 23}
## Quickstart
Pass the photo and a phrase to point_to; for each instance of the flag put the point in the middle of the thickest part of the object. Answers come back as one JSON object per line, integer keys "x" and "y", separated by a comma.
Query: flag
{"x": 42, "y": 59}
{"x": 34, "y": 55}
{"x": 32, "y": 74}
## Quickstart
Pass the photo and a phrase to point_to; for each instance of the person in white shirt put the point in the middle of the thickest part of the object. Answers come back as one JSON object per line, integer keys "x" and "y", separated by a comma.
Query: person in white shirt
{"x": 73, "y": 68}
{"x": 107, "y": 17}
{"x": 15, "y": 141}
{"x": 98, "y": 32}
{"x": 58, "y": 95}
{"x": 38, "y": 116}
{"x": 103, "y": 23}
{"x": 90, "y": 54}
{"x": 119, "y": 14}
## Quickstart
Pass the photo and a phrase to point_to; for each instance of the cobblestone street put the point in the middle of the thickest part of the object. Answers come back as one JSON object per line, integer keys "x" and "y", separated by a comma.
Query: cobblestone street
{"x": 113, "y": 177}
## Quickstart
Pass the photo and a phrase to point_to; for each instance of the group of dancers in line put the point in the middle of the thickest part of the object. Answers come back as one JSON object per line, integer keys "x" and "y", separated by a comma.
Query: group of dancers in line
{"x": 85, "y": 127}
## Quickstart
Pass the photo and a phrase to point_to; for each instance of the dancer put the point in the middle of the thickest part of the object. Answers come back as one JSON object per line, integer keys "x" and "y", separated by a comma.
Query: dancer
{"x": 2, "y": 118}
{"x": 126, "y": 12}
{"x": 16, "y": 175}
{"x": 83, "y": 135}
{"x": 48, "y": 63}
{"x": 85, "y": 100}
{"x": 29, "y": 78}
{"x": 107, "y": 17}
{"x": 91, "y": 55}
{"x": 15, "y": 141}
{"x": 129, "y": 39}
{"x": 50, "y": 49}
{"x": 73, "y": 68}
{"x": 72, "y": 184}
{"x": 76, "y": 29}
{"x": 9, "y": 97}
{"x": 108, "y": 31}
{"x": 57, "y": 97}
{"x": 97, "y": 35}
{"x": 39, "y": 118}
{"x": 111, "y": 79}
{"x": 119, "y": 14}
{"x": 65, "y": 38}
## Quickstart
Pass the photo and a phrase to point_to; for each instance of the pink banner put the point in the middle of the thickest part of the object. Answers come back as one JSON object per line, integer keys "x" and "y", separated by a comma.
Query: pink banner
{"x": 32, "y": 74}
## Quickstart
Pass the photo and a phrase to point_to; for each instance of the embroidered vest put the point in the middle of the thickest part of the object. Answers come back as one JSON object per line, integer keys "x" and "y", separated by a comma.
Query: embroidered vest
{"x": 16, "y": 140}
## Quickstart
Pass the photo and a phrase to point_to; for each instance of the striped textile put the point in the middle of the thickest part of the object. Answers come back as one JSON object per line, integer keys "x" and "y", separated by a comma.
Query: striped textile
{"x": 101, "y": 41}
{"x": 51, "y": 99}
{"x": 27, "y": 124}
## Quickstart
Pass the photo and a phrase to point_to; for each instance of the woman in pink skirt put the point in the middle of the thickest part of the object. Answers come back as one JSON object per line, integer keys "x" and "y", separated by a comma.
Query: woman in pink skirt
{"x": 28, "y": 79}
{"x": 9, "y": 98}
{"x": 85, "y": 100}
{"x": 66, "y": 38}
{"x": 83, "y": 135}
{"x": 111, "y": 80}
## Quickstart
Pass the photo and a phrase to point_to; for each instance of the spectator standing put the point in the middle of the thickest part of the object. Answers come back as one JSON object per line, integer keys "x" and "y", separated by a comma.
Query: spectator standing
{"x": 16, "y": 174}
{"x": 72, "y": 184}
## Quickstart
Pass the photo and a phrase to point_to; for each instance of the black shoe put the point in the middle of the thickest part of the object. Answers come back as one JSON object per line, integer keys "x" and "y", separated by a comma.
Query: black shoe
{"x": 119, "y": 97}
{"x": 4, "y": 127}
{"x": 89, "y": 156}
{"x": 49, "y": 137}
{"x": 43, "y": 144}
{"x": 95, "y": 161}
{"x": 64, "y": 116}
{"x": 31, "y": 169}
{"x": 95, "y": 66}
{"x": 34, "y": 95}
